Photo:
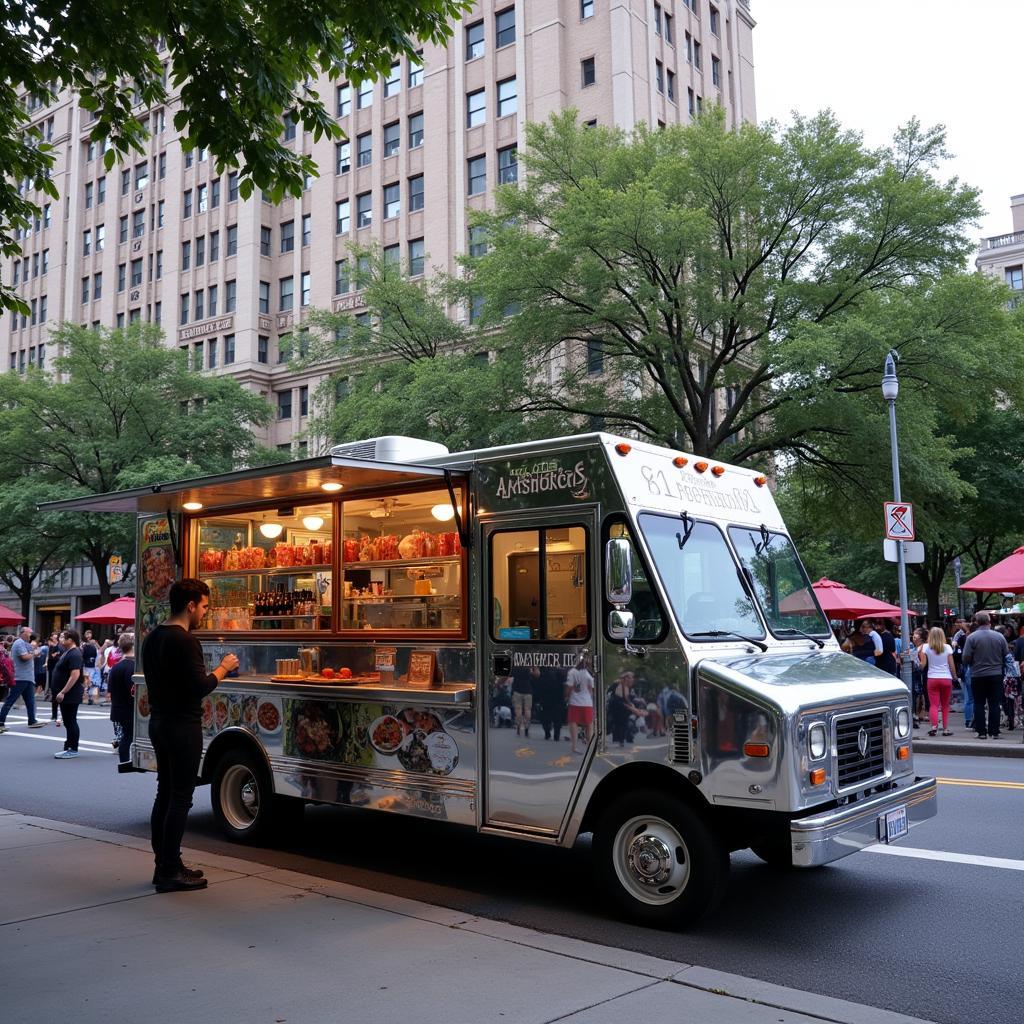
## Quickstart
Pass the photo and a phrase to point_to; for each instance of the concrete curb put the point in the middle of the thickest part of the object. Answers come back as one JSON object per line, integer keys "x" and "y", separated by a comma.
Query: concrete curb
{"x": 652, "y": 970}
{"x": 976, "y": 748}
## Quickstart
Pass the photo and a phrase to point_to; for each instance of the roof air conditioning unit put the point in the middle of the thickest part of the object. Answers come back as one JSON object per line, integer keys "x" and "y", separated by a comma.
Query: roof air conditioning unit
{"x": 390, "y": 448}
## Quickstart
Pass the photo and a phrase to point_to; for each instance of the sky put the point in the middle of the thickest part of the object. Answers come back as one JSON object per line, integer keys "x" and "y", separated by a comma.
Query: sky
{"x": 877, "y": 63}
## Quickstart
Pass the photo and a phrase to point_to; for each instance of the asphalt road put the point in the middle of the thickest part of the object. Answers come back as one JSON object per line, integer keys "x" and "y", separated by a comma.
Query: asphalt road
{"x": 936, "y": 934}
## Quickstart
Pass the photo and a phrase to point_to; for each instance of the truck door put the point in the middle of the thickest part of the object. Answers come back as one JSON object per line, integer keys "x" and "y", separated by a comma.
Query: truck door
{"x": 538, "y": 629}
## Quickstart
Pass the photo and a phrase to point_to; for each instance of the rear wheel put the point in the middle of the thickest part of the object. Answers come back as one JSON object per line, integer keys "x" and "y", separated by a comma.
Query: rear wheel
{"x": 244, "y": 804}
{"x": 659, "y": 858}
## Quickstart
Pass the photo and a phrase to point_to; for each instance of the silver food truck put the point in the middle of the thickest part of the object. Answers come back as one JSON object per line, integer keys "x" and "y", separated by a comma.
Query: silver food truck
{"x": 579, "y": 635}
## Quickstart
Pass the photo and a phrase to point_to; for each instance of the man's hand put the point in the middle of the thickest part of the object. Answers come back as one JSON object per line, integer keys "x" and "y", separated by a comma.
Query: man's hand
{"x": 59, "y": 697}
{"x": 229, "y": 662}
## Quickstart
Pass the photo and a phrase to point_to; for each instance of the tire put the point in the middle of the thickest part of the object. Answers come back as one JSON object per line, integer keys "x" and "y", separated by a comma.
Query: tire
{"x": 244, "y": 804}
{"x": 659, "y": 859}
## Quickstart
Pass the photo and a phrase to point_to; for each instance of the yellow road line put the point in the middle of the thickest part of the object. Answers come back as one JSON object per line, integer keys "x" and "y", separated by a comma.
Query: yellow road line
{"x": 981, "y": 782}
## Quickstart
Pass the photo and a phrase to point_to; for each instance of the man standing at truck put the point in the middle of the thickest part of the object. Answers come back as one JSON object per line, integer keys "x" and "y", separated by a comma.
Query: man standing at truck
{"x": 177, "y": 682}
{"x": 985, "y": 653}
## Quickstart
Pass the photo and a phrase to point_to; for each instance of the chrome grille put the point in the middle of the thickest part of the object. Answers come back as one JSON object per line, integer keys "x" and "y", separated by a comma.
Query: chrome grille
{"x": 853, "y": 768}
{"x": 680, "y": 739}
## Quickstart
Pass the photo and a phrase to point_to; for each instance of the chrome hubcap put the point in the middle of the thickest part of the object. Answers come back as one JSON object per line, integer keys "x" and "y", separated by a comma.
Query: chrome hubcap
{"x": 240, "y": 797}
{"x": 651, "y": 860}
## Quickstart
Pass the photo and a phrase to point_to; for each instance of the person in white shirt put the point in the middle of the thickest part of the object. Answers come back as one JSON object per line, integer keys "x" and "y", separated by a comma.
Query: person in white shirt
{"x": 937, "y": 657}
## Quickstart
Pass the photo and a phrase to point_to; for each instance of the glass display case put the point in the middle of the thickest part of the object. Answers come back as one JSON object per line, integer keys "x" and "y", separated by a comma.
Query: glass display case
{"x": 401, "y": 564}
{"x": 268, "y": 570}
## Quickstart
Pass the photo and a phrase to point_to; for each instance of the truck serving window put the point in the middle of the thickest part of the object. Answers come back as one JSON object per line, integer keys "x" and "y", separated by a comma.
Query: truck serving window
{"x": 700, "y": 577}
{"x": 779, "y": 581}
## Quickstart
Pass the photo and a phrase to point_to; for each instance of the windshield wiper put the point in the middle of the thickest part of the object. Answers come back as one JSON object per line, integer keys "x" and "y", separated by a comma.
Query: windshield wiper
{"x": 800, "y": 632}
{"x": 688, "y": 525}
{"x": 730, "y": 632}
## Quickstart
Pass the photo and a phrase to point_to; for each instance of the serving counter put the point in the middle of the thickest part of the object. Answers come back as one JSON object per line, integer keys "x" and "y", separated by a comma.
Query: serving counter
{"x": 453, "y": 694}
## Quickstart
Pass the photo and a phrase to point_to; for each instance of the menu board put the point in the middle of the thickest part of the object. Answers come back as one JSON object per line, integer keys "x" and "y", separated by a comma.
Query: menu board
{"x": 422, "y": 666}
{"x": 157, "y": 571}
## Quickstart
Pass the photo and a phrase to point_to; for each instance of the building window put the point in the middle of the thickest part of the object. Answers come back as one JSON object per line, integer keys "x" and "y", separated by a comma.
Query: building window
{"x": 657, "y": 19}
{"x": 393, "y": 255}
{"x": 85, "y": 288}
{"x": 364, "y": 210}
{"x": 101, "y": 190}
{"x": 86, "y": 242}
{"x": 232, "y": 248}
{"x": 416, "y": 70}
{"x": 476, "y": 108}
{"x": 211, "y": 300}
{"x": 264, "y": 296}
{"x": 714, "y": 20}
{"x": 505, "y": 27}
{"x": 289, "y": 126}
{"x": 122, "y": 228}
{"x": 126, "y": 182}
{"x": 288, "y": 236}
{"x": 230, "y": 296}
{"x": 364, "y": 98}
{"x": 392, "y": 138}
{"x": 136, "y": 272}
{"x": 183, "y": 319}
{"x": 284, "y": 404}
{"x": 691, "y": 103}
{"x": 97, "y": 285}
{"x": 342, "y": 217}
{"x": 671, "y": 84}
{"x": 233, "y": 187}
{"x": 508, "y": 165}
{"x": 141, "y": 175}
{"x": 659, "y": 76}
{"x": 211, "y": 354}
{"x": 506, "y": 97}
{"x": 229, "y": 349}
{"x": 689, "y": 46}
{"x": 696, "y": 55}
{"x": 264, "y": 241}
{"x": 392, "y": 201}
{"x": 198, "y": 312}
{"x": 476, "y": 308}
{"x": 161, "y": 166}
{"x": 186, "y": 210}
{"x": 158, "y": 313}
{"x": 1015, "y": 277}
{"x": 215, "y": 193}
{"x": 201, "y": 202}
{"x": 200, "y": 250}
{"x": 344, "y": 105}
{"x": 342, "y": 157}
{"x": 88, "y": 194}
{"x": 416, "y": 193}
{"x": 214, "y": 246}
{"x": 415, "y": 130}
{"x": 417, "y": 257}
{"x": 716, "y": 71}
{"x": 286, "y": 294}
{"x": 284, "y": 348}
{"x": 393, "y": 83}
{"x": 586, "y": 9}
{"x": 477, "y": 241}
{"x": 474, "y": 40}
{"x": 341, "y": 281}
{"x": 669, "y": 37}
{"x": 364, "y": 149}
{"x": 304, "y": 400}
{"x": 477, "y": 174}
{"x": 159, "y": 264}
{"x": 588, "y": 71}
{"x": 307, "y": 229}
{"x": 262, "y": 349}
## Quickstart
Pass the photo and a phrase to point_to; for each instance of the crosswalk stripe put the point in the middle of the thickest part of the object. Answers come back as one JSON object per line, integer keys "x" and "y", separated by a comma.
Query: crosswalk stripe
{"x": 57, "y": 738}
{"x": 952, "y": 858}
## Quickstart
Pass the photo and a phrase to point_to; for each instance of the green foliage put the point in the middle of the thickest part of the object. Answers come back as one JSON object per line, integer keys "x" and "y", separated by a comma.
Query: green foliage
{"x": 119, "y": 410}
{"x": 238, "y": 67}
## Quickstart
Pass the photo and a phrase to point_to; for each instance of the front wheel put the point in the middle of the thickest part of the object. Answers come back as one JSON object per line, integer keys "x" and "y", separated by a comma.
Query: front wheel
{"x": 244, "y": 804}
{"x": 659, "y": 858}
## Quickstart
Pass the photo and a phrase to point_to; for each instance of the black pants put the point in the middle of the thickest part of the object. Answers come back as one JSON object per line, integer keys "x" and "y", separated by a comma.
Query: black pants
{"x": 70, "y": 713}
{"x": 125, "y": 718}
{"x": 988, "y": 692}
{"x": 178, "y": 747}
{"x": 552, "y": 717}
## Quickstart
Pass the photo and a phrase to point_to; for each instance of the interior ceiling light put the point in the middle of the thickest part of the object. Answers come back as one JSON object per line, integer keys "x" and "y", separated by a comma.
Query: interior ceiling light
{"x": 192, "y": 506}
{"x": 271, "y": 530}
{"x": 443, "y": 512}
{"x": 331, "y": 486}
{"x": 312, "y": 522}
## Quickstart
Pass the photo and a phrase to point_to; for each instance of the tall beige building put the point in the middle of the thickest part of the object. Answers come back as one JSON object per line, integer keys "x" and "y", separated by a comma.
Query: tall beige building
{"x": 164, "y": 239}
{"x": 1002, "y": 256}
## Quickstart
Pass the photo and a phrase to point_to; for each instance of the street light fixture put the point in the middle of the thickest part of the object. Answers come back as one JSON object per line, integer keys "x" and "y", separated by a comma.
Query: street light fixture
{"x": 890, "y": 392}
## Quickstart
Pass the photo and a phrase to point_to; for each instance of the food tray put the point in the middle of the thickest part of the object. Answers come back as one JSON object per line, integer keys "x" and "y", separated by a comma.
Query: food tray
{"x": 288, "y": 679}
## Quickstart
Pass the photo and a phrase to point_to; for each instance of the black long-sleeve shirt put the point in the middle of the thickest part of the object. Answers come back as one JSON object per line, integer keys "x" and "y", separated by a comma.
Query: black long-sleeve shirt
{"x": 176, "y": 676}
{"x": 119, "y": 685}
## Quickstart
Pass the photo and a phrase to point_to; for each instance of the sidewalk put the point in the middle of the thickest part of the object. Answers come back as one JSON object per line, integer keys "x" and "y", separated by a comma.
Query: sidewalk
{"x": 965, "y": 741}
{"x": 269, "y": 946}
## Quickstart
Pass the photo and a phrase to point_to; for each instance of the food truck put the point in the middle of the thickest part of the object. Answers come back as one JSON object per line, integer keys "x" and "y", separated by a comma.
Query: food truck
{"x": 587, "y": 634}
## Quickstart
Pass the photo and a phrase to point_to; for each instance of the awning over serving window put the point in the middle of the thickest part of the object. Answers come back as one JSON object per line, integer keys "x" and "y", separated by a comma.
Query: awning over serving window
{"x": 310, "y": 478}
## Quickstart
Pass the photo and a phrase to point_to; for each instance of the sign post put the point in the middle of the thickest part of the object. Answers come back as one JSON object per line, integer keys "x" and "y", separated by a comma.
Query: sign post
{"x": 957, "y": 566}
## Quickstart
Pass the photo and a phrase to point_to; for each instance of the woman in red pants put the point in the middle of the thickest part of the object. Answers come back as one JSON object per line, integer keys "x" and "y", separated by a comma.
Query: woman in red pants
{"x": 937, "y": 657}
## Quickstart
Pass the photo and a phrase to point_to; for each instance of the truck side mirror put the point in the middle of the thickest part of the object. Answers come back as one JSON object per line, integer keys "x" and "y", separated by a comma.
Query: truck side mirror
{"x": 618, "y": 571}
{"x": 620, "y": 624}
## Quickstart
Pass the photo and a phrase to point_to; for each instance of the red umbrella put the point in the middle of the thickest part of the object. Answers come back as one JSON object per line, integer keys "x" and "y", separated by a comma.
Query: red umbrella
{"x": 839, "y": 602}
{"x": 9, "y": 617}
{"x": 1005, "y": 577}
{"x": 116, "y": 612}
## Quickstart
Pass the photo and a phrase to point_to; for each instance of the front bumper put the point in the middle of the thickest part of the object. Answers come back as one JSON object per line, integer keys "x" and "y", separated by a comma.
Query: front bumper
{"x": 826, "y": 837}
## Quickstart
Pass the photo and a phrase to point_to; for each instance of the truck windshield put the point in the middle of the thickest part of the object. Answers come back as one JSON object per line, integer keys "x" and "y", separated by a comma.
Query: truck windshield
{"x": 700, "y": 577}
{"x": 779, "y": 581}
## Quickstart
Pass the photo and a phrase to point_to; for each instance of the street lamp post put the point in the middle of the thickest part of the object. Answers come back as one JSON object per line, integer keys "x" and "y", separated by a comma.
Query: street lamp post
{"x": 890, "y": 391}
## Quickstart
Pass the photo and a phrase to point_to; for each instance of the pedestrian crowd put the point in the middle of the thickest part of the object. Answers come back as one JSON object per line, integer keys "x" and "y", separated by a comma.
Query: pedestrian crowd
{"x": 982, "y": 660}
{"x": 69, "y": 670}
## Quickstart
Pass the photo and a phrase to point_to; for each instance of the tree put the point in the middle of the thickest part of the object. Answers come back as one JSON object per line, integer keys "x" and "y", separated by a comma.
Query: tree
{"x": 30, "y": 542}
{"x": 407, "y": 366}
{"x": 239, "y": 67}
{"x": 732, "y": 280}
{"x": 121, "y": 410}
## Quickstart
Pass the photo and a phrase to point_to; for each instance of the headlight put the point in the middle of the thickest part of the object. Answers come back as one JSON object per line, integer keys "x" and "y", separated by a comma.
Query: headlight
{"x": 817, "y": 741}
{"x": 902, "y": 723}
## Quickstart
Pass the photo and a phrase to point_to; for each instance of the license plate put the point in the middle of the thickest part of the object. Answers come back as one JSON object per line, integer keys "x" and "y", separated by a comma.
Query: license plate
{"x": 893, "y": 824}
